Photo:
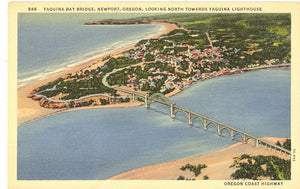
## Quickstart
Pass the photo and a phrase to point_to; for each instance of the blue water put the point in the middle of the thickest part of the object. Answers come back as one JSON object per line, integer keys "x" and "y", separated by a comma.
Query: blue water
{"x": 98, "y": 143}
{"x": 49, "y": 43}
{"x": 248, "y": 101}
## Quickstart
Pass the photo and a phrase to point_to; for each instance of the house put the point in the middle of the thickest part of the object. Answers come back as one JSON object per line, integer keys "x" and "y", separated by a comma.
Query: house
{"x": 182, "y": 72}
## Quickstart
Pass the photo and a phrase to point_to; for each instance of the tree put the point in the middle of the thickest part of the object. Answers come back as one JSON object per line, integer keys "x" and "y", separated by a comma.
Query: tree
{"x": 287, "y": 144}
{"x": 71, "y": 104}
{"x": 194, "y": 168}
{"x": 276, "y": 168}
{"x": 149, "y": 57}
{"x": 103, "y": 101}
{"x": 181, "y": 178}
{"x": 278, "y": 143}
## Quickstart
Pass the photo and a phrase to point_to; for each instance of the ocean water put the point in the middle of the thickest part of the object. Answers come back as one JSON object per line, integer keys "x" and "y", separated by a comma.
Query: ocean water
{"x": 49, "y": 43}
{"x": 95, "y": 144}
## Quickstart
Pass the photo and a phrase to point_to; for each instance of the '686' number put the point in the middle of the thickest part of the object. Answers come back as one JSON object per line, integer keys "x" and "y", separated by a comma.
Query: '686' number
{"x": 32, "y": 9}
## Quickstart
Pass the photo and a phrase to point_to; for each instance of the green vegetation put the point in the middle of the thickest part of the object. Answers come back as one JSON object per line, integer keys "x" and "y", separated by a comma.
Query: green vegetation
{"x": 103, "y": 101}
{"x": 87, "y": 103}
{"x": 205, "y": 44}
{"x": 237, "y": 30}
{"x": 50, "y": 85}
{"x": 125, "y": 76}
{"x": 87, "y": 83}
{"x": 120, "y": 62}
{"x": 50, "y": 93}
{"x": 81, "y": 85}
{"x": 254, "y": 167}
{"x": 286, "y": 144}
{"x": 167, "y": 91}
{"x": 71, "y": 104}
{"x": 194, "y": 168}
{"x": 183, "y": 178}
{"x": 77, "y": 89}
{"x": 124, "y": 100}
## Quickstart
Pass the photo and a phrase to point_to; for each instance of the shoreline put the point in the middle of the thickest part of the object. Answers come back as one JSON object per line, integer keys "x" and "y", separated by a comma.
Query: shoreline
{"x": 30, "y": 110}
{"x": 131, "y": 103}
{"x": 217, "y": 162}
{"x": 281, "y": 66}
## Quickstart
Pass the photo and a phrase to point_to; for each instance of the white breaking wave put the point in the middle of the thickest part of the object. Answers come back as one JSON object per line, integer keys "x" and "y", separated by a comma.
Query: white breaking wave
{"x": 80, "y": 58}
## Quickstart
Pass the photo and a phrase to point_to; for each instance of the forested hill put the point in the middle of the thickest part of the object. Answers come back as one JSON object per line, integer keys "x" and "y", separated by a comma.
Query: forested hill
{"x": 212, "y": 21}
{"x": 272, "y": 31}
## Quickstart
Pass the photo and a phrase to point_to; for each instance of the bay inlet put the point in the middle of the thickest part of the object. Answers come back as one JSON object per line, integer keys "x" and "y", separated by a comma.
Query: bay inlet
{"x": 98, "y": 143}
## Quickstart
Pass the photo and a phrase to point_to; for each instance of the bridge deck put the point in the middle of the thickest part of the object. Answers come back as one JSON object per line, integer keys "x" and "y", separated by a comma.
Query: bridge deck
{"x": 233, "y": 129}
{"x": 260, "y": 141}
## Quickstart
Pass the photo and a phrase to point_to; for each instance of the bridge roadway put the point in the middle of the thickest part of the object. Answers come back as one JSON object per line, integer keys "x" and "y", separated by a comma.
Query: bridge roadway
{"x": 206, "y": 122}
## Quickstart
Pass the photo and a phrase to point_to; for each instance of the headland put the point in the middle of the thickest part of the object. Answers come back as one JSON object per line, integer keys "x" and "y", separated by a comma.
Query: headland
{"x": 30, "y": 110}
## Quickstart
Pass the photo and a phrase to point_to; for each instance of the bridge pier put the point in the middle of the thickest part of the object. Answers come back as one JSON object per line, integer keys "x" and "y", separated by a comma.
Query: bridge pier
{"x": 146, "y": 101}
{"x": 190, "y": 118}
{"x": 244, "y": 139}
{"x": 204, "y": 124}
{"x": 163, "y": 100}
{"x": 172, "y": 110}
{"x": 256, "y": 143}
{"x": 218, "y": 128}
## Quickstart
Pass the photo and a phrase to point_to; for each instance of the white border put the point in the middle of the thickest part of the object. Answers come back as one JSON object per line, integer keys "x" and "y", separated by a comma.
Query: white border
{"x": 4, "y": 75}
{"x": 3, "y": 94}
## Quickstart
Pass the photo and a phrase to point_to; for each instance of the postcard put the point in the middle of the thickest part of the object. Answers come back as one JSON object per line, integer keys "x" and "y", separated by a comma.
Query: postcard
{"x": 153, "y": 95}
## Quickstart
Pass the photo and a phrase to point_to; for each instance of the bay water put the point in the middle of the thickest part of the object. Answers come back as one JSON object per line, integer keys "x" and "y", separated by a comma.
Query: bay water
{"x": 93, "y": 144}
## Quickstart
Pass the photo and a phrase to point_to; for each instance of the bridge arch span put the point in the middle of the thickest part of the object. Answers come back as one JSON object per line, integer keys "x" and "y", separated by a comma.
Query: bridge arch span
{"x": 160, "y": 108}
{"x": 211, "y": 124}
{"x": 250, "y": 138}
{"x": 177, "y": 112}
{"x": 238, "y": 134}
{"x": 161, "y": 98}
{"x": 196, "y": 119}
{"x": 205, "y": 121}
{"x": 226, "y": 129}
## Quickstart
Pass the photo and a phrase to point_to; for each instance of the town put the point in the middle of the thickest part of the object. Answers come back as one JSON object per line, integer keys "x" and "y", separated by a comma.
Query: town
{"x": 172, "y": 62}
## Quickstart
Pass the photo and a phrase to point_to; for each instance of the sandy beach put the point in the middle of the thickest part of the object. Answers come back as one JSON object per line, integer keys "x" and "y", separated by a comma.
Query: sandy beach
{"x": 30, "y": 110}
{"x": 217, "y": 162}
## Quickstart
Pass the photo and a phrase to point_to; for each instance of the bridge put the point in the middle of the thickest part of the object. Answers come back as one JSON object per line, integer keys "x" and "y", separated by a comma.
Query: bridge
{"x": 206, "y": 122}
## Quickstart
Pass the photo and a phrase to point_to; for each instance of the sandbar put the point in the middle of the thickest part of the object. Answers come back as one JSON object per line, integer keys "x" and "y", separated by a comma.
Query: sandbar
{"x": 217, "y": 162}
